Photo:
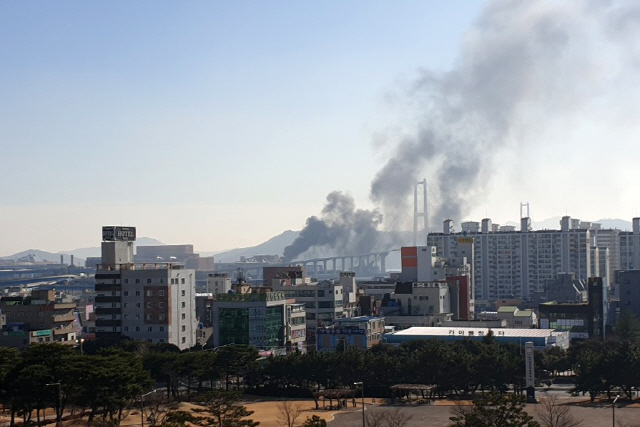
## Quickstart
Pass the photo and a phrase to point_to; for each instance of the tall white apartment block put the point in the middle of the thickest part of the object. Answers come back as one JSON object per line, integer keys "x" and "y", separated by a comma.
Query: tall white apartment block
{"x": 507, "y": 263}
{"x": 152, "y": 302}
{"x": 630, "y": 247}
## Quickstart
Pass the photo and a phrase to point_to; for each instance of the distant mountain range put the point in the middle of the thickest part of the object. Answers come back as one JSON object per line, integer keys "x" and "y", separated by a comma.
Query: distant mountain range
{"x": 273, "y": 246}
{"x": 79, "y": 255}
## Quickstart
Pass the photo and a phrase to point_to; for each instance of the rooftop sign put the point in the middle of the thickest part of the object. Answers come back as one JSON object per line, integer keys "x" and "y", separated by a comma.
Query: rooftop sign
{"x": 114, "y": 233}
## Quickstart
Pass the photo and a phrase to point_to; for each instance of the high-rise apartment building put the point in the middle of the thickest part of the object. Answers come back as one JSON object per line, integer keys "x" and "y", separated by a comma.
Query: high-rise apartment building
{"x": 152, "y": 302}
{"x": 513, "y": 264}
{"x": 630, "y": 247}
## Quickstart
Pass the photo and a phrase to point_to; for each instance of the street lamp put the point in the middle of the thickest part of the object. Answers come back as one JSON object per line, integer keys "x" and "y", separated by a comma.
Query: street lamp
{"x": 361, "y": 384}
{"x": 80, "y": 341}
{"x": 613, "y": 408}
{"x": 59, "y": 411}
{"x": 142, "y": 396}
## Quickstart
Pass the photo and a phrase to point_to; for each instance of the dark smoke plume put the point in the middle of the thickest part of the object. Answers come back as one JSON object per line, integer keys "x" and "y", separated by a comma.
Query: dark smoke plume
{"x": 342, "y": 230}
{"x": 522, "y": 63}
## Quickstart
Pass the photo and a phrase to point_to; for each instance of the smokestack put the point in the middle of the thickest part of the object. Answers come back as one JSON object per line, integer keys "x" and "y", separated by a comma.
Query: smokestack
{"x": 61, "y": 259}
{"x": 71, "y": 260}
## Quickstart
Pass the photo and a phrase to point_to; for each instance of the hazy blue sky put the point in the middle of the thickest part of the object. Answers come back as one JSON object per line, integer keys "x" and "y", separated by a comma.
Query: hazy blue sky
{"x": 224, "y": 123}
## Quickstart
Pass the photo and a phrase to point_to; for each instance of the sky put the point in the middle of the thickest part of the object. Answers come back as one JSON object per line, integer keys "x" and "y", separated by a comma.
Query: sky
{"x": 222, "y": 124}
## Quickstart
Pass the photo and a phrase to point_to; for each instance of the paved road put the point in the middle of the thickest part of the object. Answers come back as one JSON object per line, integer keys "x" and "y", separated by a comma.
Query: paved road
{"x": 438, "y": 416}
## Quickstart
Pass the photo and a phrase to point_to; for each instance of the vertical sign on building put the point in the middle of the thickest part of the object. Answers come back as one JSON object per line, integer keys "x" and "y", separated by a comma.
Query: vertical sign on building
{"x": 530, "y": 378}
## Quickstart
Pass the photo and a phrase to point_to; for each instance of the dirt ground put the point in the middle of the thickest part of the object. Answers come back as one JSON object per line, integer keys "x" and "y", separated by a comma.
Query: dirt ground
{"x": 267, "y": 412}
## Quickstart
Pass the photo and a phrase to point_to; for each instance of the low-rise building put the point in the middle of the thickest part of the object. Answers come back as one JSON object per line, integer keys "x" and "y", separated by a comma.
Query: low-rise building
{"x": 256, "y": 319}
{"x": 323, "y": 303}
{"x": 296, "y": 326}
{"x": 40, "y": 311}
{"x": 516, "y": 318}
{"x": 584, "y": 320}
{"x": 362, "y": 332}
{"x": 541, "y": 338}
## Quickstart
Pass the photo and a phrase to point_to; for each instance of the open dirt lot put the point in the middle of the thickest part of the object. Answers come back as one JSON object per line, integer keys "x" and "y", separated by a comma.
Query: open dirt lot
{"x": 437, "y": 414}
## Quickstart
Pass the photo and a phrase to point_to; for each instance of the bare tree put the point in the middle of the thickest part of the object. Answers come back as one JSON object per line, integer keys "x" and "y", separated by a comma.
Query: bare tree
{"x": 155, "y": 406}
{"x": 376, "y": 418}
{"x": 289, "y": 412}
{"x": 396, "y": 418}
{"x": 554, "y": 414}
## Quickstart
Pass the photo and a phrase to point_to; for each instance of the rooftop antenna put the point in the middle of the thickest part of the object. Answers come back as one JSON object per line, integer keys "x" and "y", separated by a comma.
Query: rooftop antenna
{"x": 522, "y": 208}
{"x": 416, "y": 212}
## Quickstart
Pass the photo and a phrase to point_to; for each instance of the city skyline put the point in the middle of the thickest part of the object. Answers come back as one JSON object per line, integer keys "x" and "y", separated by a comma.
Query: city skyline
{"x": 223, "y": 125}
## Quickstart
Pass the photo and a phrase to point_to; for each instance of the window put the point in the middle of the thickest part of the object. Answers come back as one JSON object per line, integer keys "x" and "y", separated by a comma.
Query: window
{"x": 137, "y": 317}
{"x": 138, "y": 305}
{"x": 149, "y": 317}
{"x": 150, "y": 329}
{"x": 126, "y": 293}
{"x": 137, "y": 293}
{"x": 137, "y": 281}
{"x": 161, "y": 328}
{"x": 149, "y": 292}
{"x": 137, "y": 328}
{"x": 182, "y": 293}
{"x": 149, "y": 305}
{"x": 182, "y": 281}
{"x": 126, "y": 316}
{"x": 184, "y": 304}
{"x": 184, "y": 328}
{"x": 160, "y": 305}
{"x": 183, "y": 316}
{"x": 126, "y": 329}
{"x": 161, "y": 340}
{"x": 184, "y": 340}
{"x": 161, "y": 293}
{"x": 160, "y": 316}
{"x": 149, "y": 281}
{"x": 126, "y": 304}
{"x": 41, "y": 314}
{"x": 126, "y": 280}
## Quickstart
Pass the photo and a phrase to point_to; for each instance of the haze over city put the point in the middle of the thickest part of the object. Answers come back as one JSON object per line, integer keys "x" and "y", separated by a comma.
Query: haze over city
{"x": 224, "y": 124}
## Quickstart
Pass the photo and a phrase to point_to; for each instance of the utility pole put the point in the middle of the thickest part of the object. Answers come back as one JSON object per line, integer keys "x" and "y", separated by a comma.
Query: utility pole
{"x": 361, "y": 384}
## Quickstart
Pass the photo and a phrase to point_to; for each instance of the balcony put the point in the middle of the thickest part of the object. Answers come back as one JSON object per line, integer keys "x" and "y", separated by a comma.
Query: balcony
{"x": 69, "y": 317}
{"x": 63, "y": 331}
{"x": 65, "y": 305}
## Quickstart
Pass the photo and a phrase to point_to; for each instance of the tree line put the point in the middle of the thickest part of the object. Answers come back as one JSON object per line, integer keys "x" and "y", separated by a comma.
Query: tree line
{"x": 109, "y": 377}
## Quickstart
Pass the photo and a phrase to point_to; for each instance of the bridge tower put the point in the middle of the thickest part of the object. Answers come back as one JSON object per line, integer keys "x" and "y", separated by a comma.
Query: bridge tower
{"x": 420, "y": 189}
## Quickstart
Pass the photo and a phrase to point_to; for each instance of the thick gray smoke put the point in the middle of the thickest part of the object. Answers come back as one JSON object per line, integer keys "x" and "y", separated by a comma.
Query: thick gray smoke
{"x": 342, "y": 230}
{"x": 523, "y": 64}
{"x": 526, "y": 69}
